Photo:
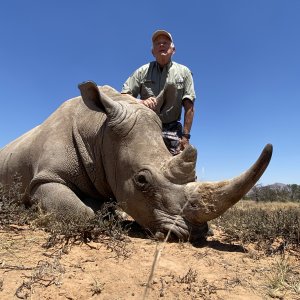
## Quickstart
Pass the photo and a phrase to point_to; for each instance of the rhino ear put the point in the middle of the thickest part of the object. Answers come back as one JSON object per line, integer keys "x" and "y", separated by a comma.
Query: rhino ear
{"x": 91, "y": 96}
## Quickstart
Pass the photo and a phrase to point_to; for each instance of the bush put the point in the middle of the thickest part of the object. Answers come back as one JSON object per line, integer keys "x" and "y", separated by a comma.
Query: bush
{"x": 106, "y": 227}
{"x": 262, "y": 224}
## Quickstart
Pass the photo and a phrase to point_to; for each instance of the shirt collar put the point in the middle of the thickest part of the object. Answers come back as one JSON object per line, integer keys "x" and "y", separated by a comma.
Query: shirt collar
{"x": 167, "y": 66}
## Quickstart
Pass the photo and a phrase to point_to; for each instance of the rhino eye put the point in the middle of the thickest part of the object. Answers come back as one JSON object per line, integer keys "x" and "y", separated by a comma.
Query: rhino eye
{"x": 142, "y": 179}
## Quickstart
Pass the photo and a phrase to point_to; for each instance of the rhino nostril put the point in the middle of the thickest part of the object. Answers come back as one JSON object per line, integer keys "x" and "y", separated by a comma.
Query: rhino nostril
{"x": 142, "y": 179}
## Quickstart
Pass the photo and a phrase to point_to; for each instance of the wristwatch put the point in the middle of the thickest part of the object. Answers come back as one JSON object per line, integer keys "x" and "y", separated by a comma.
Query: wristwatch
{"x": 186, "y": 135}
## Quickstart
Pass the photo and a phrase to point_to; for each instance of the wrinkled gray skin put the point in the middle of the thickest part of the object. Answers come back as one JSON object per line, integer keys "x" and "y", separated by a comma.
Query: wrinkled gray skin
{"x": 103, "y": 145}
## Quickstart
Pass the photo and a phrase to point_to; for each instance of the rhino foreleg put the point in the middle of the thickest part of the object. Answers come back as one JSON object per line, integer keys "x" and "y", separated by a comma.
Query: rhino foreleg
{"x": 61, "y": 200}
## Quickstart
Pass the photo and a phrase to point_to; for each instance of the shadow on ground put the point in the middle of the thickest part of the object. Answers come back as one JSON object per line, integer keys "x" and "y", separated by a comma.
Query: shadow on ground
{"x": 136, "y": 231}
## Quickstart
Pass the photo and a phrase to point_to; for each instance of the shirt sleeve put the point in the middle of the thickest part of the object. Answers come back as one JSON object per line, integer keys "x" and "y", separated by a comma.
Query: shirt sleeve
{"x": 132, "y": 85}
{"x": 189, "y": 91}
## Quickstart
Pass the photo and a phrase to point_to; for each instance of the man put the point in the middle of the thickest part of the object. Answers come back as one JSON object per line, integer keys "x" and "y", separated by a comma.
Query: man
{"x": 149, "y": 80}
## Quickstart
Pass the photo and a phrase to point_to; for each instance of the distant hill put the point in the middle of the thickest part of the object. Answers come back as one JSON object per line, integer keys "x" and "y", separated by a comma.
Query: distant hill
{"x": 275, "y": 192}
{"x": 277, "y": 186}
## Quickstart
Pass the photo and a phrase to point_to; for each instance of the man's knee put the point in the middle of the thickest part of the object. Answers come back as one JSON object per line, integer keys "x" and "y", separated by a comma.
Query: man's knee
{"x": 172, "y": 145}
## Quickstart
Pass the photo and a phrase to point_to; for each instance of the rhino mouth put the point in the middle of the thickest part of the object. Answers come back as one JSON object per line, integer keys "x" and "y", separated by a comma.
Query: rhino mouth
{"x": 177, "y": 227}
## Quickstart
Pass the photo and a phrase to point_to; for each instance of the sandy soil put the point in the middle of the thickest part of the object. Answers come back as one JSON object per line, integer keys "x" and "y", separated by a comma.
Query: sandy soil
{"x": 213, "y": 270}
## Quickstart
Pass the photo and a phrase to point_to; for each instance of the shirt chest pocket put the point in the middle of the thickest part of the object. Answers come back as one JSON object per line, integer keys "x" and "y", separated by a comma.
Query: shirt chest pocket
{"x": 179, "y": 82}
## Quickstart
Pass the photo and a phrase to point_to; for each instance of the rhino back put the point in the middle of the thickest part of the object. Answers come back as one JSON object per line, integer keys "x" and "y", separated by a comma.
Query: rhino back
{"x": 61, "y": 149}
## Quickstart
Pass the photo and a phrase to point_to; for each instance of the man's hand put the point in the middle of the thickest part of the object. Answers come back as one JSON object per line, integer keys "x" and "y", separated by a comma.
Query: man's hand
{"x": 184, "y": 142}
{"x": 151, "y": 102}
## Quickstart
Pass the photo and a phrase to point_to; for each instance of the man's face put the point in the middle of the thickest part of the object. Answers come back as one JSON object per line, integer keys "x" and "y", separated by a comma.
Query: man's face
{"x": 162, "y": 49}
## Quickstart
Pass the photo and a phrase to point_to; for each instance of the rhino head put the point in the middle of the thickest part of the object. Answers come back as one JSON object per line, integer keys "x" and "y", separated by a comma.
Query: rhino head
{"x": 158, "y": 190}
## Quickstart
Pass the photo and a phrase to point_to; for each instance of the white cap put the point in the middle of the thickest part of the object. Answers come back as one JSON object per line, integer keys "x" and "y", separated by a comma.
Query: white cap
{"x": 161, "y": 32}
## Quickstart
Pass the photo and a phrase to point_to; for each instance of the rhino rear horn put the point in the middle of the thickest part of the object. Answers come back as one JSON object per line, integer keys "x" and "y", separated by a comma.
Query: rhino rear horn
{"x": 181, "y": 168}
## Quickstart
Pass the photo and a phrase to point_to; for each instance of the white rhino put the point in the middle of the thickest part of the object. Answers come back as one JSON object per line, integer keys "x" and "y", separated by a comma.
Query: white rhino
{"x": 104, "y": 145}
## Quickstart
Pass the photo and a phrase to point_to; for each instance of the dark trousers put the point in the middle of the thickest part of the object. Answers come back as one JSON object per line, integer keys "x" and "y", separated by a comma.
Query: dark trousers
{"x": 172, "y": 133}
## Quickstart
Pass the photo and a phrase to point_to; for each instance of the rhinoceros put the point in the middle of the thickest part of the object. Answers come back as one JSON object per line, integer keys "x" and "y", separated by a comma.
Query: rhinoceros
{"x": 103, "y": 145}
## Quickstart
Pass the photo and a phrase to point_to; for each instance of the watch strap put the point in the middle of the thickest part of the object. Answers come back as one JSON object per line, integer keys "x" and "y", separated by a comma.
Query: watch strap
{"x": 186, "y": 135}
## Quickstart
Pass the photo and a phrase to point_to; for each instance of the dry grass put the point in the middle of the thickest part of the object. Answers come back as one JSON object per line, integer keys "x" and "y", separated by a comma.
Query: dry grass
{"x": 12, "y": 210}
{"x": 44, "y": 274}
{"x": 284, "y": 277}
{"x": 273, "y": 226}
{"x": 97, "y": 287}
{"x": 106, "y": 227}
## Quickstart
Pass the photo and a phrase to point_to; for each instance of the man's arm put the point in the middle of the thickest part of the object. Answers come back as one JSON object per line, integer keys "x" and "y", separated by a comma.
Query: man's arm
{"x": 132, "y": 87}
{"x": 188, "y": 106}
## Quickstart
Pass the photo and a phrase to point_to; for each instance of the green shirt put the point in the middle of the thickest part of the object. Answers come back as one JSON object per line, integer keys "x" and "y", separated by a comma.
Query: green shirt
{"x": 148, "y": 80}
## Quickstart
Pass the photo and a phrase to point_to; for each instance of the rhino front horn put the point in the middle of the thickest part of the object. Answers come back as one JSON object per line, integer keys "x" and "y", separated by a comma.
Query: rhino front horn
{"x": 208, "y": 200}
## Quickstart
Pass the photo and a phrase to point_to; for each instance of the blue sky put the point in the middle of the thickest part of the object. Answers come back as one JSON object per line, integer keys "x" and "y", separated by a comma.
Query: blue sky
{"x": 244, "y": 55}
